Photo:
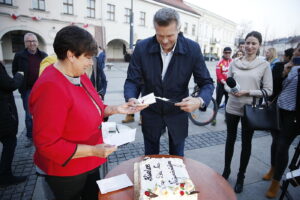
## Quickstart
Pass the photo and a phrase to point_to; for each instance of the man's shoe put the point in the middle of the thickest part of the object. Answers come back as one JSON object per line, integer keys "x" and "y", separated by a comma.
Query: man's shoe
{"x": 129, "y": 118}
{"x": 11, "y": 180}
{"x": 213, "y": 122}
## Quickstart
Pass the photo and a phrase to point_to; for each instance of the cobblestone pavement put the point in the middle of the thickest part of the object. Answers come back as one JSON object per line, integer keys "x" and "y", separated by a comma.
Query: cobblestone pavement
{"x": 23, "y": 164}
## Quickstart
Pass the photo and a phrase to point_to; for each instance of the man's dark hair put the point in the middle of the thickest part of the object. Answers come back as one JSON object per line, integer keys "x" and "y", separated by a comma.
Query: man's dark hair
{"x": 255, "y": 34}
{"x": 76, "y": 40}
{"x": 241, "y": 42}
{"x": 165, "y": 16}
{"x": 289, "y": 53}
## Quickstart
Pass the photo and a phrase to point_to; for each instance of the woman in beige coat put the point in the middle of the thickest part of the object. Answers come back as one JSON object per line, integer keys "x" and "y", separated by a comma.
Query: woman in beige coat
{"x": 251, "y": 74}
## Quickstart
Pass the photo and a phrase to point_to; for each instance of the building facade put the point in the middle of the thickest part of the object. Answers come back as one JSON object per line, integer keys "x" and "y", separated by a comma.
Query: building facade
{"x": 281, "y": 44}
{"x": 108, "y": 21}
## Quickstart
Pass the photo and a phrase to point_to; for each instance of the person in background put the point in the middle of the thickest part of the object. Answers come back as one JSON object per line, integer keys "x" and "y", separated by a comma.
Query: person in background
{"x": 221, "y": 72}
{"x": 101, "y": 57}
{"x": 8, "y": 125}
{"x": 163, "y": 64}
{"x": 271, "y": 56}
{"x": 28, "y": 61}
{"x": 239, "y": 54}
{"x": 130, "y": 118}
{"x": 241, "y": 46}
{"x": 97, "y": 76}
{"x": 288, "y": 110}
{"x": 49, "y": 60}
{"x": 277, "y": 87}
{"x": 68, "y": 114}
{"x": 252, "y": 74}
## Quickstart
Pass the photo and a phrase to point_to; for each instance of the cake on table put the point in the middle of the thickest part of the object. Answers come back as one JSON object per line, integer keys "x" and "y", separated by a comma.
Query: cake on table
{"x": 163, "y": 179}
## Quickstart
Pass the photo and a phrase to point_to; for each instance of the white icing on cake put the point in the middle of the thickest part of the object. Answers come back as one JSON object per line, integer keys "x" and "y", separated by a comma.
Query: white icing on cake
{"x": 163, "y": 179}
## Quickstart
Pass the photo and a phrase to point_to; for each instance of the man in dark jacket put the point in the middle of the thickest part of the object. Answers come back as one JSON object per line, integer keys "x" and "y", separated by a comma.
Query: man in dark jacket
{"x": 98, "y": 77}
{"x": 164, "y": 65}
{"x": 277, "y": 73}
{"x": 28, "y": 61}
{"x": 8, "y": 125}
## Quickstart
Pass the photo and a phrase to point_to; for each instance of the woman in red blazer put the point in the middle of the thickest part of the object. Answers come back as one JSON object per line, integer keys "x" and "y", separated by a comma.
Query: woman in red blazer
{"x": 67, "y": 116}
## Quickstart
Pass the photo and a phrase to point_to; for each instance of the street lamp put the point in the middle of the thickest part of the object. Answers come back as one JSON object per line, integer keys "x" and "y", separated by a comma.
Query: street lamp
{"x": 131, "y": 27}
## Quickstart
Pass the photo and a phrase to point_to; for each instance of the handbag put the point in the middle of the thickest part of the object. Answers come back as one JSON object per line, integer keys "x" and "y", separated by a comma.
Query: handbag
{"x": 262, "y": 116}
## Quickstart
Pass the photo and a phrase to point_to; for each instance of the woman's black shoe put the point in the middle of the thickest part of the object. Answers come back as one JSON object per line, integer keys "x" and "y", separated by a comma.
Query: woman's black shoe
{"x": 238, "y": 188}
{"x": 226, "y": 173}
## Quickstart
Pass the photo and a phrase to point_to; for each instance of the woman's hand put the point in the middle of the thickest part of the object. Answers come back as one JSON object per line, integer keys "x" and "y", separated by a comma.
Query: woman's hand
{"x": 99, "y": 150}
{"x": 129, "y": 108}
{"x": 103, "y": 150}
{"x": 241, "y": 93}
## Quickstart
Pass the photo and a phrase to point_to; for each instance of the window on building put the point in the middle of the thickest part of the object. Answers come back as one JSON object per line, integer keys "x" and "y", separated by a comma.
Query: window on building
{"x": 127, "y": 15}
{"x": 111, "y": 12}
{"x": 7, "y": 2}
{"x": 38, "y": 4}
{"x": 90, "y": 8}
{"x": 185, "y": 29}
{"x": 142, "y": 18}
{"x": 194, "y": 30}
{"x": 68, "y": 7}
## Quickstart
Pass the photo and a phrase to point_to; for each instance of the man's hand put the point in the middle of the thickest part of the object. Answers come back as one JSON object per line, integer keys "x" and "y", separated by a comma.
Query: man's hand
{"x": 189, "y": 104}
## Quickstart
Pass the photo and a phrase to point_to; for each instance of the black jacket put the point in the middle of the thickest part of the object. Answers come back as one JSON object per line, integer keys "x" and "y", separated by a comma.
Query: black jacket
{"x": 20, "y": 63}
{"x": 277, "y": 79}
{"x": 8, "y": 110}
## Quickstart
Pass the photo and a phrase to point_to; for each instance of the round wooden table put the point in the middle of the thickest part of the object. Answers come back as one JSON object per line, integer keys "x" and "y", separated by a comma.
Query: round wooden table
{"x": 210, "y": 184}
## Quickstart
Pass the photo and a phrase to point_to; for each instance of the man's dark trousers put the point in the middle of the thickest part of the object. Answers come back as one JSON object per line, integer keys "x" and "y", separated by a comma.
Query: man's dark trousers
{"x": 28, "y": 117}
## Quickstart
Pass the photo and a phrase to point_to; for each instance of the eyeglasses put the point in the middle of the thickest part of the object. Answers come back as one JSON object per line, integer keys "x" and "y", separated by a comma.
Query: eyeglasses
{"x": 227, "y": 52}
{"x": 31, "y": 41}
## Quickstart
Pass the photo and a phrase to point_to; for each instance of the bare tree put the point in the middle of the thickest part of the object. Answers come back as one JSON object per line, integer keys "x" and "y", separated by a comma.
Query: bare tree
{"x": 243, "y": 28}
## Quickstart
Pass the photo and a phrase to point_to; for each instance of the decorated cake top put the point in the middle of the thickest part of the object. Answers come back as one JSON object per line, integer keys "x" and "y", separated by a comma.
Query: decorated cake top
{"x": 165, "y": 177}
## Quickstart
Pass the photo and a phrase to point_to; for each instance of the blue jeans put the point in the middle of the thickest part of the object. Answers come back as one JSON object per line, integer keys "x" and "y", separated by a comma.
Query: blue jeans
{"x": 28, "y": 117}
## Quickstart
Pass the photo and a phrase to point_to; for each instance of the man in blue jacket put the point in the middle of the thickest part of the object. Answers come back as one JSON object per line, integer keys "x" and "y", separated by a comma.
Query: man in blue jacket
{"x": 164, "y": 65}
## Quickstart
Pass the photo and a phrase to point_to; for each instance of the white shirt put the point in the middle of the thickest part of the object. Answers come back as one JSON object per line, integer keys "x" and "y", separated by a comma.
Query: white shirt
{"x": 166, "y": 58}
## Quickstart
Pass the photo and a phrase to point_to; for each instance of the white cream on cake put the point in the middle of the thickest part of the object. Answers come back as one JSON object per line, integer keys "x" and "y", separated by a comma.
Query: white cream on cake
{"x": 164, "y": 179}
